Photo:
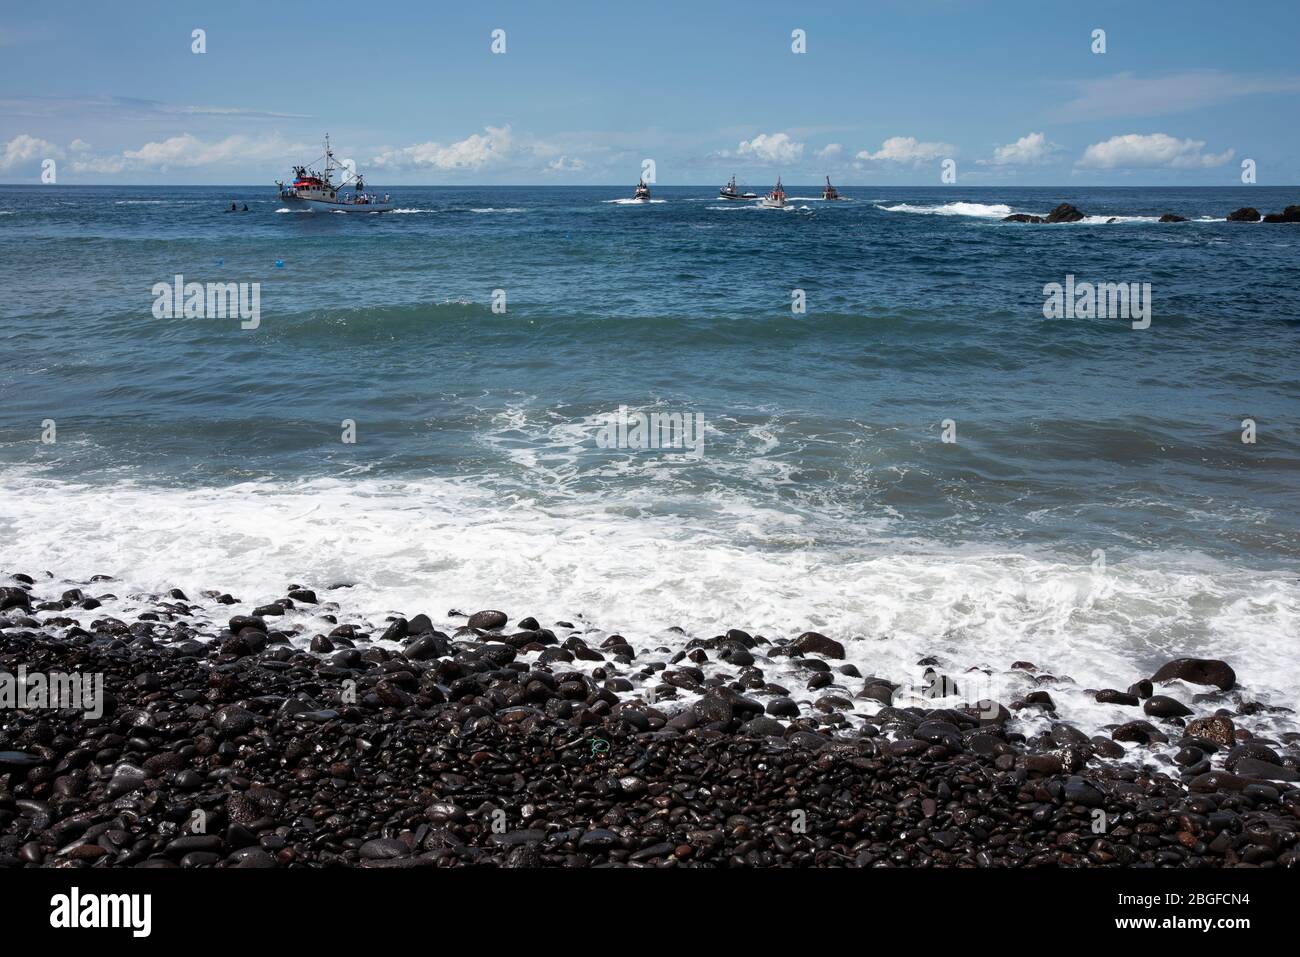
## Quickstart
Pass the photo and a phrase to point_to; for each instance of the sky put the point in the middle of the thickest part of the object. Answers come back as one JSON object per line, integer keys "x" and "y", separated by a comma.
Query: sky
{"x": 1016, "y": 92}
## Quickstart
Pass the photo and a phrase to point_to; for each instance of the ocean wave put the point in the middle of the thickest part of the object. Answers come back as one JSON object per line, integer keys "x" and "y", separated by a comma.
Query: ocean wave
{"x": 982, "y": 210}
{"x": 432, "y": 544}
{"x": 494, "y": 209}
{"x": 634, "y": 202}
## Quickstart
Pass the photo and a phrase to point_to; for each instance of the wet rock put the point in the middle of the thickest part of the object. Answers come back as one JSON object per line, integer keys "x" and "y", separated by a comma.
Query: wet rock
{"x": 487, "y": 620}
{"x": 14, "y": 598}
{"x": 1080, "y": 791}
{"x": 1198, "y": 671}
{"x": 1218, "y": 729}
{"x": 1247, "y": 214}
{"x": 1255, "y": 768}
{"x": 1289, "y": 215}
{"x": 1172, "y": 218}
{"x": 1064, "y": 213}
{"x": 811, "y": 642}
{"x": 1111, "y": 696}
{"x": 1142, "y": 689}
{"x": 234, "y": 720}
{"x": 1162, "y": 706}
{"x": 384, "y": 848}
{"x": 1143, "y": 732}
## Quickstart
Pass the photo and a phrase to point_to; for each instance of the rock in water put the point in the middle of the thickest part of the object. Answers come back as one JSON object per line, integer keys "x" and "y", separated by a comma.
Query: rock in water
{"x": 1065, "y": 213}
{"x": 1289, "y": 215}
{"x": 1162, "y": 706}
{"x": 14, "y": 598}
{"x": 812, "y": 642}
{"x": 1247, "y": 214}
{"x": 1172, "y": 218}
{"x": 1198, "y": 671}
{"x": 1216, "y": 729}
{"x": 1022, "y": 218}
{"x": 487, "y": 620}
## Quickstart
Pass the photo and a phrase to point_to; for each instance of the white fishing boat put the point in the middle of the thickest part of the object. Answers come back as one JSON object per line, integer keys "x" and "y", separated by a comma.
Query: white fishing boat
{"x": 830, "y": 193}
{"x": 642, "y": 193}
{"x": 774, "y": 199}
{"x": 318, "y": 191}
{"x": 731, "y": 192}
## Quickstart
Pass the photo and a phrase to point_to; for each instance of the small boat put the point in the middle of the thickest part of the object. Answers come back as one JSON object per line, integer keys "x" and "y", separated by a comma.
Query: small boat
{"x": 774, "y": 199}
{"x": 642, "y": 193}
{"x": 730, "y": 192}
{"x": 830, "y": 192}
{"x": 318, "y": 191}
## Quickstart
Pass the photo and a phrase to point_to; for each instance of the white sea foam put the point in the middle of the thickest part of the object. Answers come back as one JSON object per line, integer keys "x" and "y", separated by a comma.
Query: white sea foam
{"x": 1099, "y": 220}
{"x": 624, "y": 564}
{"x": 1001, "y": 211}
{"x": 499, "y": 209}
{"x": 634, "y": 202}
{"x": 983, "y": 210}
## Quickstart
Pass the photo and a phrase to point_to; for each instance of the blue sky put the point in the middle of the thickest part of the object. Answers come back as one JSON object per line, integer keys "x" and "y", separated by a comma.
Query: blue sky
{"x": 1011, "y": 91}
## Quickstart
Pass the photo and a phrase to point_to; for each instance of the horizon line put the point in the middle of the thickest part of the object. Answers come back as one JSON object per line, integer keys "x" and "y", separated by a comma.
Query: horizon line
{"x": 946, "y": 186}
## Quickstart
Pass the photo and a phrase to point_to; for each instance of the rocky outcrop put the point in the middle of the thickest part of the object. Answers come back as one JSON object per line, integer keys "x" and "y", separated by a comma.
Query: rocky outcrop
{"x": 1289, "y": 215}
{"x": 1247, "y": 214}
{"x": 1064, "y": 213}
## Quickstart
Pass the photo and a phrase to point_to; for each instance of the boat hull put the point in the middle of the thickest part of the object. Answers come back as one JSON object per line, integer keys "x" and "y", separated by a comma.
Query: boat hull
{"x": 323, "y": 206}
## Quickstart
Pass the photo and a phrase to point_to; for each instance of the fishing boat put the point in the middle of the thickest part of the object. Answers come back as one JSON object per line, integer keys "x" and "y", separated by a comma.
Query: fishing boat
{"x": 642, "y": 193}
{"x": 317, "y": 191}
{"x": 830, "y": 193}
{"x": 731, "y": 192}
{"x": 774, "y": 199}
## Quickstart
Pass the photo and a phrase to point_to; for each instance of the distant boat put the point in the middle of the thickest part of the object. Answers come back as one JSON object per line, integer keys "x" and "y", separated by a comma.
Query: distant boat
{"x": 730, "y": 192}
{"x": 318, "y": 191}
{"x": 642, "y": 193}
{"x": 774, "y": 199}
{"x": 830, "y": 192}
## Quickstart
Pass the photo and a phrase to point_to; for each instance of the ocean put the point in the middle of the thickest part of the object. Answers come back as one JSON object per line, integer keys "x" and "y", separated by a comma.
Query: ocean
{"x": 917, "y": 464}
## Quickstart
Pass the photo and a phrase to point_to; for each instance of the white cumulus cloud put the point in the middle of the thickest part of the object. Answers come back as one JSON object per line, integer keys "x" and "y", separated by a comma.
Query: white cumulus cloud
{"x": 565, "y": 164}
{"x": 907, "y": 149}
{"x": 473, "y": 152}
{"x": 23, "y": 149}
{"x": 186, "y": 151}
{"x": 830, "y": 151}
{"x": 772, "y": 148}
{"x": 1151, "y": 151}
{"x": 1026, "y": 151}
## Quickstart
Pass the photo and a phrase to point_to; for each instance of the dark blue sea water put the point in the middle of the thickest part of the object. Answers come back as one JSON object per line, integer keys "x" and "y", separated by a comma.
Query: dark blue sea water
{"x": 195, "y": 451}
